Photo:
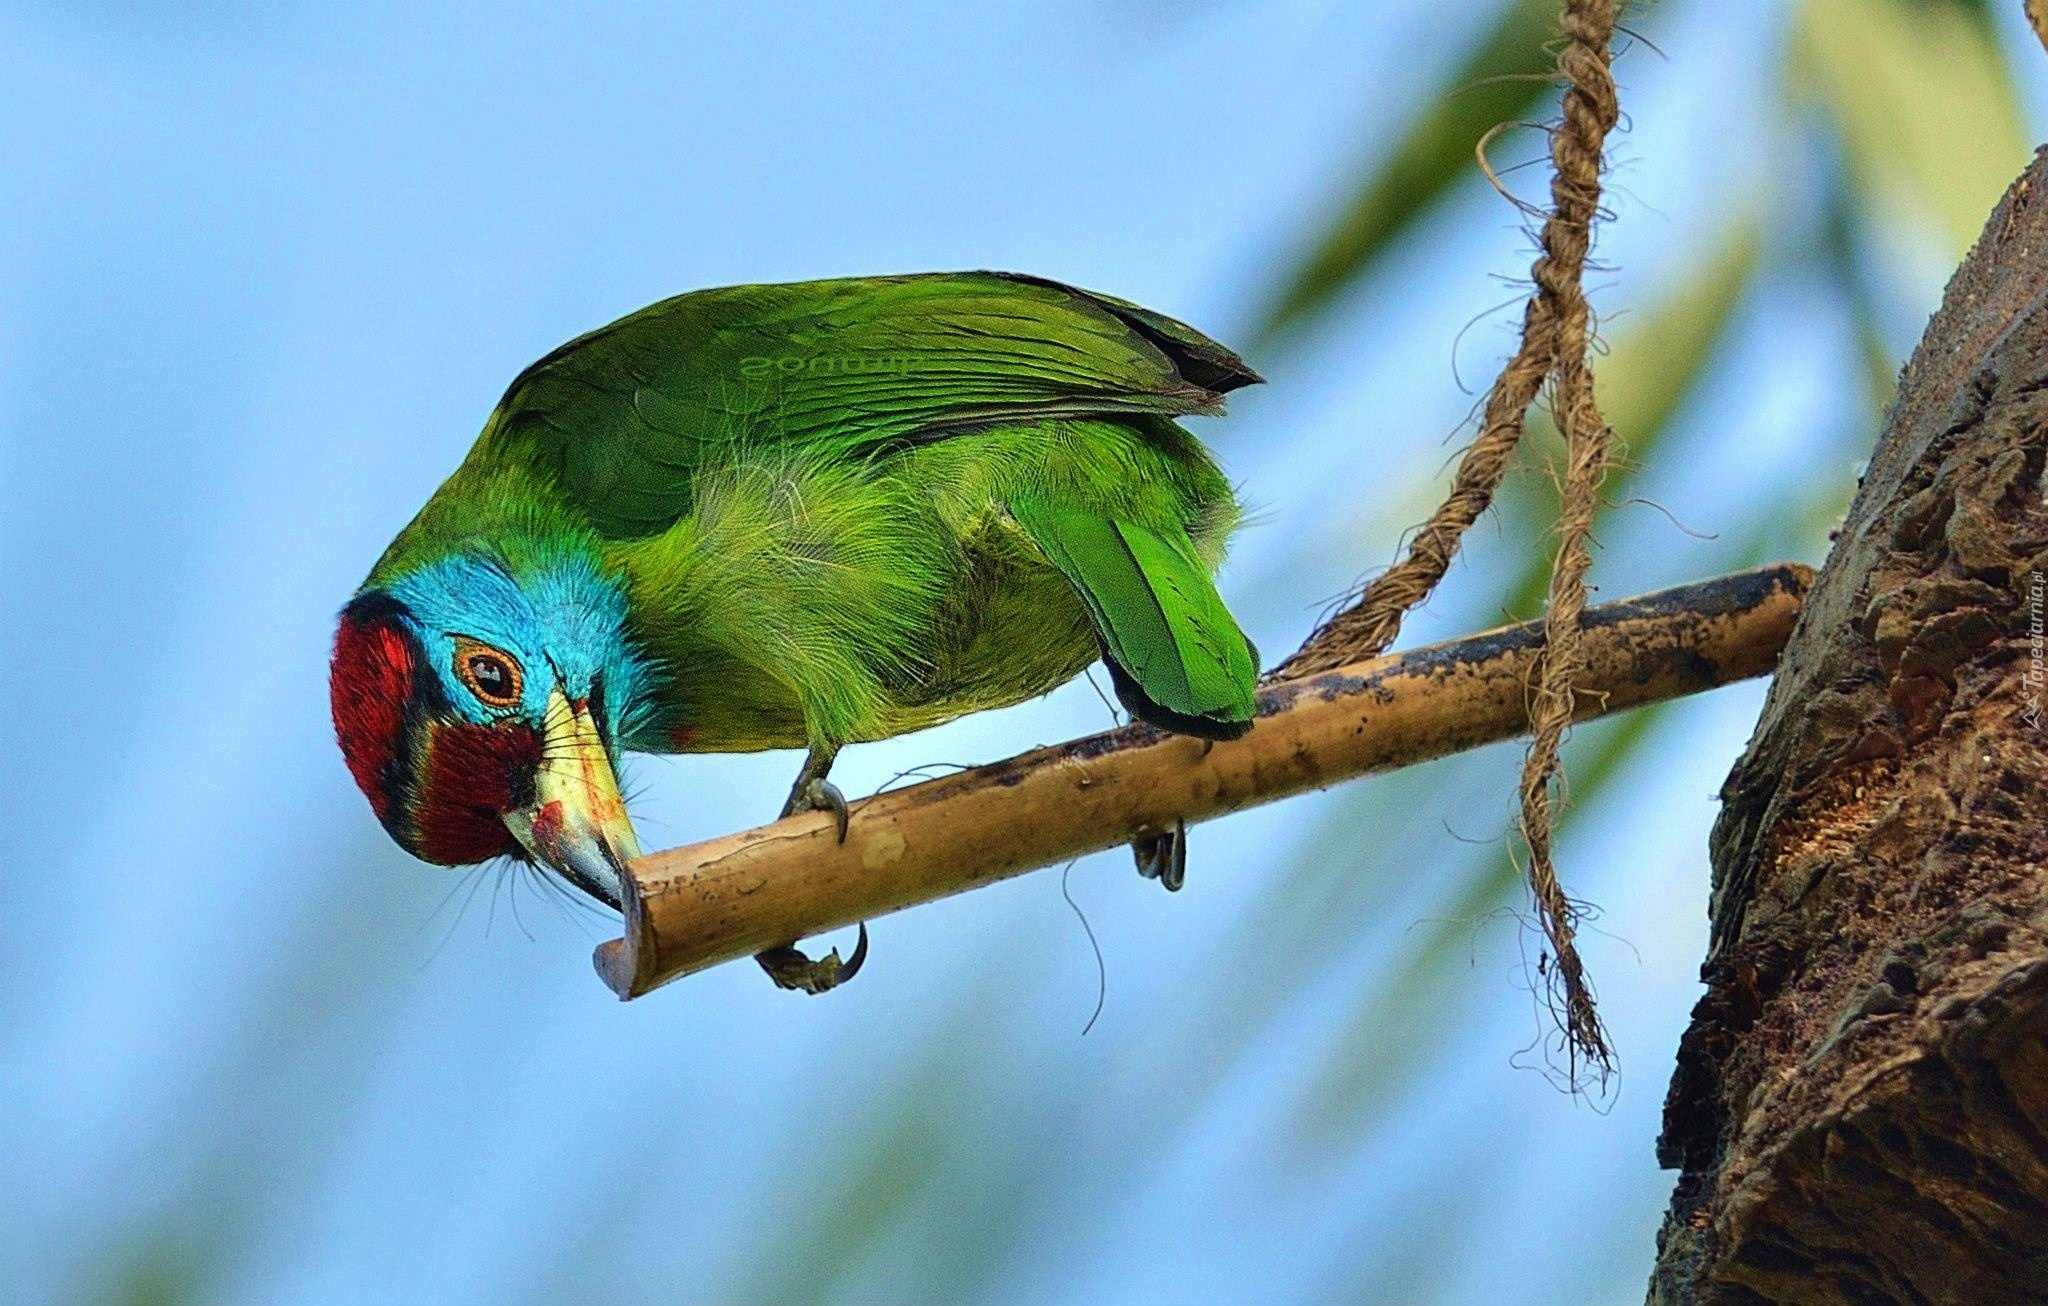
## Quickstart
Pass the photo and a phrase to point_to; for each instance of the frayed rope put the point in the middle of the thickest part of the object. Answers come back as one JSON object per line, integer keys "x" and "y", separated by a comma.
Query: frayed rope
{"x": 1556, "y": 334}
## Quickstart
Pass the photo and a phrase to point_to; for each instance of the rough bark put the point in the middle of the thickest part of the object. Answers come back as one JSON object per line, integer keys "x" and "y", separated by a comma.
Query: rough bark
{"x": 1860, "y": 1108}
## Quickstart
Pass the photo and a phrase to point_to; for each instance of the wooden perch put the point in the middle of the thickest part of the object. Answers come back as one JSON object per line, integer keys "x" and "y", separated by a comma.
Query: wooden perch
{"x": 690, "y": 908}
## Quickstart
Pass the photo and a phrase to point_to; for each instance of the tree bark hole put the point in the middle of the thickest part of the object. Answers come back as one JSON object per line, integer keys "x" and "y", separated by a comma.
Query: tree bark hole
{"x": 1860, "y": 1107}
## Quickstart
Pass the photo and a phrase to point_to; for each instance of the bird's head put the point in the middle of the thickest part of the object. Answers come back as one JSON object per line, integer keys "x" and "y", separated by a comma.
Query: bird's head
{"x": 480, "y": 708}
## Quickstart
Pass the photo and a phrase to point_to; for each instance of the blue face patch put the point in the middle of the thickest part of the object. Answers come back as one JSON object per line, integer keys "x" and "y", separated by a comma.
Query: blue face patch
{"x": 564, "y": 624}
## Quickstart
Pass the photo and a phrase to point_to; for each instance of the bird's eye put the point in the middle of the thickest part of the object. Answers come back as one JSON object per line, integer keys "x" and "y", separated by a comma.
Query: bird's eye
{"x": 492, "y": 676}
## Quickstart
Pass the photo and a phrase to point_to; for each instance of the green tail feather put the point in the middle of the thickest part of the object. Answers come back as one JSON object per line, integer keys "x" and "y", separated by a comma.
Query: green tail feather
{"x": 1174, "y": 651}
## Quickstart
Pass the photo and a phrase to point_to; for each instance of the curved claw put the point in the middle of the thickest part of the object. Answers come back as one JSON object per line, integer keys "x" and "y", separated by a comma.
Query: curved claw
{"x": 791, "y": 969}
{"x": 1164, "y": 856}
{"x": 820, "y": 795}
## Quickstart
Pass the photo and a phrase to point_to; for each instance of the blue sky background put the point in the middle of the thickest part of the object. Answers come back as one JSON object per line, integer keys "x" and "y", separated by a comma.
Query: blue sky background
{"x": 263, "y": 271}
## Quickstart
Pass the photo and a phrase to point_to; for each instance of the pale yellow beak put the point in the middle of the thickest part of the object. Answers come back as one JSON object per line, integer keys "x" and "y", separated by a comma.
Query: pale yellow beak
{"x": 577, "y": 825}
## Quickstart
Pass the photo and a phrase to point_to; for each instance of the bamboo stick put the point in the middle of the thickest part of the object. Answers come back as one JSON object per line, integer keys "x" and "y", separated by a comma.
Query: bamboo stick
{"x": 693, "y": 907}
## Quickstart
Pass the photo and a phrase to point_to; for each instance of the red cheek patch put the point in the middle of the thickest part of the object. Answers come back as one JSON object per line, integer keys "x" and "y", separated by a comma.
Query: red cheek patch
{"x": 368, "y": 684}
{"x": 439, "y": 788}
{"x": 470, "y": 777}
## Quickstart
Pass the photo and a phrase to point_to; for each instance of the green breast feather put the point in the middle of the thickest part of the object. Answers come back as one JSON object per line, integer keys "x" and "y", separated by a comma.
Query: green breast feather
{"x": 846, "y": 509}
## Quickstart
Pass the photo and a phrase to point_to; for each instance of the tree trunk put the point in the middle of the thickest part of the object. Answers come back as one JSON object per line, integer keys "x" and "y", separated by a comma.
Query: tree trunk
{"x": 1860, "y": 1108}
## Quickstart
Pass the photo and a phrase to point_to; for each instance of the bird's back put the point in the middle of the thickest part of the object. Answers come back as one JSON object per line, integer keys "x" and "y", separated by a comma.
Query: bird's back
{"x": 848, "y": 509}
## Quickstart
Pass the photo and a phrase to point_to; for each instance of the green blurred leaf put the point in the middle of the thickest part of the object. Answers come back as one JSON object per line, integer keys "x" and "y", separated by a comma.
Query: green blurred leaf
{"x": 928, "y": 1153}
{"x": 847, "y": 1208}
{"x": 1342, "y": 880}
{"x": 1502, "y": 81}
{"x": 1401, "y": 1021}
{"x": 163, "y": 1267}
{"x": 1653, "y": 363}
{"x": 1801, "y": 524}
{"x": 1926, "y": 111}
{"x": 1839, "y": 252}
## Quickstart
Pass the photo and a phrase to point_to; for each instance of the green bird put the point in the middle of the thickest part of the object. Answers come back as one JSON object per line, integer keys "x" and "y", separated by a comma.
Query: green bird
{"x": 792, "y": 516}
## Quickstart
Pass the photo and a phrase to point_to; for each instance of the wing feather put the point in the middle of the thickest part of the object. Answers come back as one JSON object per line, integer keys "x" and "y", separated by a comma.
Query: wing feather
{"x": 620, "y": 419}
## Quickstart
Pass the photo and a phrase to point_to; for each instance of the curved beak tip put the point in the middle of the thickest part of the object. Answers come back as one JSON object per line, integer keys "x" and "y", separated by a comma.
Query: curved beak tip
{"x": 577, "y": 824}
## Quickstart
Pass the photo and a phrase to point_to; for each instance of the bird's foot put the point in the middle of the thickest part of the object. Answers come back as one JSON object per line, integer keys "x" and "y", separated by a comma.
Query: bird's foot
{"x": 791, "y": 969}
{"x": 1163, "y": 855}
{"x": 787, "y": 965}
{"x": 818, "y": 795}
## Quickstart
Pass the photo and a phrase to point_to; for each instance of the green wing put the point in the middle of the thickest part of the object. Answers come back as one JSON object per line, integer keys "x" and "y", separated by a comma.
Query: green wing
{"x": 1163, "y": 627}
{"x": 620, "y": 419}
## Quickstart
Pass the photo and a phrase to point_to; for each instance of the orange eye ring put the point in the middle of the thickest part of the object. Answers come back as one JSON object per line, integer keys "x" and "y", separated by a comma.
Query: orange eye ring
{"x": 493, "y": 675}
